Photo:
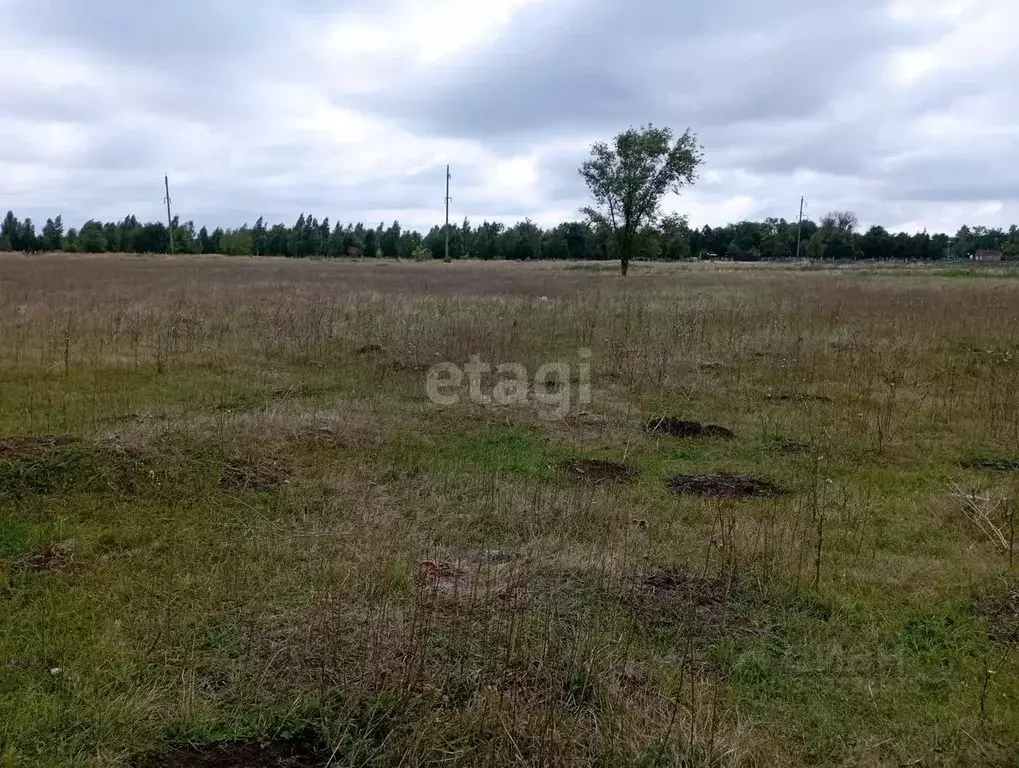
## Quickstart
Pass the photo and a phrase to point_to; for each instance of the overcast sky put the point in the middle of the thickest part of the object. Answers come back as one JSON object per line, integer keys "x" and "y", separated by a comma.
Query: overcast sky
{"x": 904, "y": 111}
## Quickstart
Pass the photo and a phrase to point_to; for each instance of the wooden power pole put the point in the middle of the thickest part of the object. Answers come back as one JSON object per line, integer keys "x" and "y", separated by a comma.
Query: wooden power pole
{"x": 799, "y": 227}
{"x": 169, "y": 218}
{"x": 448, "y": 177}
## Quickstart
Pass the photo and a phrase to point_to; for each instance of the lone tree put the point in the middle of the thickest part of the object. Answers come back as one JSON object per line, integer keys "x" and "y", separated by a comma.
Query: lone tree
{"x": 629, "y": 179}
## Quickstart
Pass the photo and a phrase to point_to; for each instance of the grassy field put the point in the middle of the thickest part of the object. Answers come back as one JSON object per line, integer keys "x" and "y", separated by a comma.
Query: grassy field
{"x": 235, "y": 530}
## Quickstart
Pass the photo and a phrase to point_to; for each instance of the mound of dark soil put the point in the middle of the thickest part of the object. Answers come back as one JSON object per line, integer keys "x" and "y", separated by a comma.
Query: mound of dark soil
{"x": 667, "y": 597}
{"x": 674, "y": 427}
{"x": 370, "y": 349}
{"x": 597, "y": 471}
{"x": 726, "y": 487}
{"x": 241, "y": 754}
{"x": 30, "y": 448}
{"x": 254, "y": 473}
{"x": 1002, "y": 616}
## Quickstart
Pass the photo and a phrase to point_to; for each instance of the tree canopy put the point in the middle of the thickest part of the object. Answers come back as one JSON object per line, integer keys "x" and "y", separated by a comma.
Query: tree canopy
{"x": 629, "y": 178}
{"x": 670, "y": 238}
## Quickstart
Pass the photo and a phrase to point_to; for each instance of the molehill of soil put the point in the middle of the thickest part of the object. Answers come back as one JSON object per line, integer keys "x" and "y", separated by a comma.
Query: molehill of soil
{"x": 674, "y": 427}
{"x": 241, "y": 754}
{"x": 726, "y": 487}
{"x": 1001, "y": 613}
{"x": 597, "y": 471}
{"x": 668, "y": 597}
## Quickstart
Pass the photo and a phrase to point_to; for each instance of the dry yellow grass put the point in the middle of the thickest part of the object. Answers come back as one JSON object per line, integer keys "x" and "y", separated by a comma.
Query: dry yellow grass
{"x": 266, "y": 526}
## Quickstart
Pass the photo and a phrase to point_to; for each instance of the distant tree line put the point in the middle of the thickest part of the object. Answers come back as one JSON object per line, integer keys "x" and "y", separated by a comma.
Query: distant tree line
{"x": 835, "y": 238}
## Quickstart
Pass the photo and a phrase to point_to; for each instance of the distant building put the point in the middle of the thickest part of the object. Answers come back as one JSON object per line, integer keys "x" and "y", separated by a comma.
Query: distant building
{"x": 986, "y": 256}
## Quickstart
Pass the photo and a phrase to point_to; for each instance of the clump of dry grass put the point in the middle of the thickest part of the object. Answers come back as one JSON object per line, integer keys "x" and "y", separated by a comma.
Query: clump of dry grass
{"x": 987, "y": 514}
{"x": 252, "y": 472}
{"x": 56, "y": 556}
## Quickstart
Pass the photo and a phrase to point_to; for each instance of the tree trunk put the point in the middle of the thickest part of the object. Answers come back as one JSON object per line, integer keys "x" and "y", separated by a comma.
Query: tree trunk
{"x": 626, "y": 248}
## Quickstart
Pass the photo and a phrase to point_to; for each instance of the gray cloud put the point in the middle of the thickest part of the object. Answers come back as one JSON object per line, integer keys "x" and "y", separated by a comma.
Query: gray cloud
{"x": 278, "y": 107}
{"x": 607, "y": 64}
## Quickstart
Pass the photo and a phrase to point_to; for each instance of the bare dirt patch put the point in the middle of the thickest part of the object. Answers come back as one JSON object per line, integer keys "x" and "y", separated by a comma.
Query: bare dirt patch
{"x": 668, "y": 597}
{"x": 30, "y": 448}
{"x": 597, "y": 471}
{"x": 241, "y": 754}
{"x": 249, "y": 472}
{"x": 442, "y": 579}
{"x": 57, "y": 556}
{"x": 674, "y": 427}
{"x": 726, "y": 487}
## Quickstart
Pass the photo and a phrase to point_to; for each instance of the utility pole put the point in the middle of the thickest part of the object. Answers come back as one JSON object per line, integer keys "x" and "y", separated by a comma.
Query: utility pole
{"x": 799, "y": 227}
{"x": 169, "y": 218}
{"x": 448, "y": 177}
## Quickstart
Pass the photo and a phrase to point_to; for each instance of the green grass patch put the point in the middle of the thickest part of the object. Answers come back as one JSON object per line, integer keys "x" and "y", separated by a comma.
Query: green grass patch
{"x": 15, "y": 538}
{"x": 978, "y": 273}
{"x": 514, "y": 451}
